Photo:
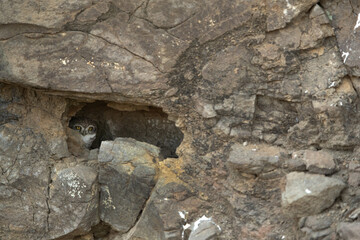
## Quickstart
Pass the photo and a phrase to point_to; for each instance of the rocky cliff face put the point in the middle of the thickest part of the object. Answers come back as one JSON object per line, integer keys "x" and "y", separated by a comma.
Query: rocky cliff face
{"x": 216, "y": 119}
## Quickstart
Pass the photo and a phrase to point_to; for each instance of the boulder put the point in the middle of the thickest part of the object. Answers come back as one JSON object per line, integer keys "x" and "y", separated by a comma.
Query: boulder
{"x": 308, "y": 194}
{"x": 127, "y": 176}
{"x": 73, "y": 201}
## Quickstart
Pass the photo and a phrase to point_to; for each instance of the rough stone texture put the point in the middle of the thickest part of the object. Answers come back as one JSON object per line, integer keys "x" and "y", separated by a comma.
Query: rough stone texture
{"x": 349, "y": 231}
{"x": 306, "y": 194}
{"x": 126, "y": 180}
{"x": 204, "y": 229}
{"x": 344, "y": 17}
{"x": 24, "y": 183}
{"x": 73, "y": 201}
{"x": 321, "y": 162}
{"x": 281, "y": 12}
{"x": 254, "y": 159}
{"x": 53, "y": 14}
{"x": 318, "y": 227}
{"x": 206, "y": 82}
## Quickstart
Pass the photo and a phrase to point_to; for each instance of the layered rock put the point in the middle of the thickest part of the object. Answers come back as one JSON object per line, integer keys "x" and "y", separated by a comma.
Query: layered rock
{"x": 246, "y": 102}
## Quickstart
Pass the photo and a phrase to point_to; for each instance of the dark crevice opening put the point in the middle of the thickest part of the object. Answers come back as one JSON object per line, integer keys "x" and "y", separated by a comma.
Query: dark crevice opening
{"x": 142, "y": 123}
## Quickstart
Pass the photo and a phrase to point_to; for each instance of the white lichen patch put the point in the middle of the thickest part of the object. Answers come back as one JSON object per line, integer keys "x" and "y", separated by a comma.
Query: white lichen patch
{"x": 182, "y": 214}
{"x": 64, "y": 61}
{"x": 204, "y": 219}
{"x": 357, "y": 22}
{"x": 108, "y": 202}
{"x": 91, "y": 63}
{"x": 76, "y": 187}
{"x": 345, "y": 55}
{"x": 186, "y": 226}
{"x": 290, "y": 7}
{"x": 114, "y": 65}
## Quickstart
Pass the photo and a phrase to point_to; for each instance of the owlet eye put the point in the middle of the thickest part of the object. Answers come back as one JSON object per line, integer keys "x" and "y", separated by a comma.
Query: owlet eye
{"x": 78, "y": 127}
{"x": 91, "y": 128}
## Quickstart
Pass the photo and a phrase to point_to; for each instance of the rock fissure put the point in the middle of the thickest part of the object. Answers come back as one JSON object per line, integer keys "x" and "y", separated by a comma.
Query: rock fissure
{"x": 132, "y": 14}
{"x": 48, "y": 199}
{"x": 138, "y": 217}
{"x": 124, "y": 48}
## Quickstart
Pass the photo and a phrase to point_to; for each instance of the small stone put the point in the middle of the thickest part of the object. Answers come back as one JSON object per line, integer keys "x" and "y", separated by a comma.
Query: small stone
{"x": 318, "y": 223}
{"x": 295, "y": 164}
{"x": 240, "y": 132}
{"x": 171, "y": 92}
{"x": 204, "y": 229}
{"x": 270, "y": 138}
{"x": 321, "y": 162}
{"x": 318, "y": 12}
{"x": 354, "y": 214}
{"x": 205, "y": 109}
{"x": 307, "y": 194}
{"x": 320, "y": 234}
{"x": 349, "y": 231}
{"x": 223, "y": 125}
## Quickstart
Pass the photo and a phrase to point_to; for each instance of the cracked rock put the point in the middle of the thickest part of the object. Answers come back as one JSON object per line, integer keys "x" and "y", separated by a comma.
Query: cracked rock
{"x": 160, "y": 48}
{"x": 24, "y": 169}
{"x": 286, "y": 11}
{"x": 168, "y": 14}
{"x": 127, "y": 177}
{"x": 53, "y": 14}
{"x": 77, "y": 62}
{"x": 73, "y": 201}
{"x": 307, "y": 194}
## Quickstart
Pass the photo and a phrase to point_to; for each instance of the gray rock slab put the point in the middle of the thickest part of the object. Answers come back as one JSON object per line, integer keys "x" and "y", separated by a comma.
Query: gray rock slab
{"x": 127, "y": 177}
{"x": 73, "y": 203}
{"x": 308, "y": 194}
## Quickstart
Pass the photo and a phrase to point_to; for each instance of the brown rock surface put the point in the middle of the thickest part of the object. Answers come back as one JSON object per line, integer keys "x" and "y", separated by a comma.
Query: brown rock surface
{"x": 204, "y": 83}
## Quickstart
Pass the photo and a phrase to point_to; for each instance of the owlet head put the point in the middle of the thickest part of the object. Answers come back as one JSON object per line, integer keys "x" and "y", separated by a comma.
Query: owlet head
{"x": 86, "y": 127}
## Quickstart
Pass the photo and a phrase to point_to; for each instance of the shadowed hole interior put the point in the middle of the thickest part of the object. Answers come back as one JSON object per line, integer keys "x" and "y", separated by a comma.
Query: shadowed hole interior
{"x": 143, "y": 123}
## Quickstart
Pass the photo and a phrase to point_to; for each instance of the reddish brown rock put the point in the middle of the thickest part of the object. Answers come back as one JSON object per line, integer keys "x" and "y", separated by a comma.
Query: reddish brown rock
{"x": 321, "y": 162}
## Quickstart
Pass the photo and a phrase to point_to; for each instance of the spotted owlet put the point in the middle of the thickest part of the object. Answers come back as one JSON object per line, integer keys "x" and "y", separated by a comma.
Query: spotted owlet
{"x": 86, "y": 127}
